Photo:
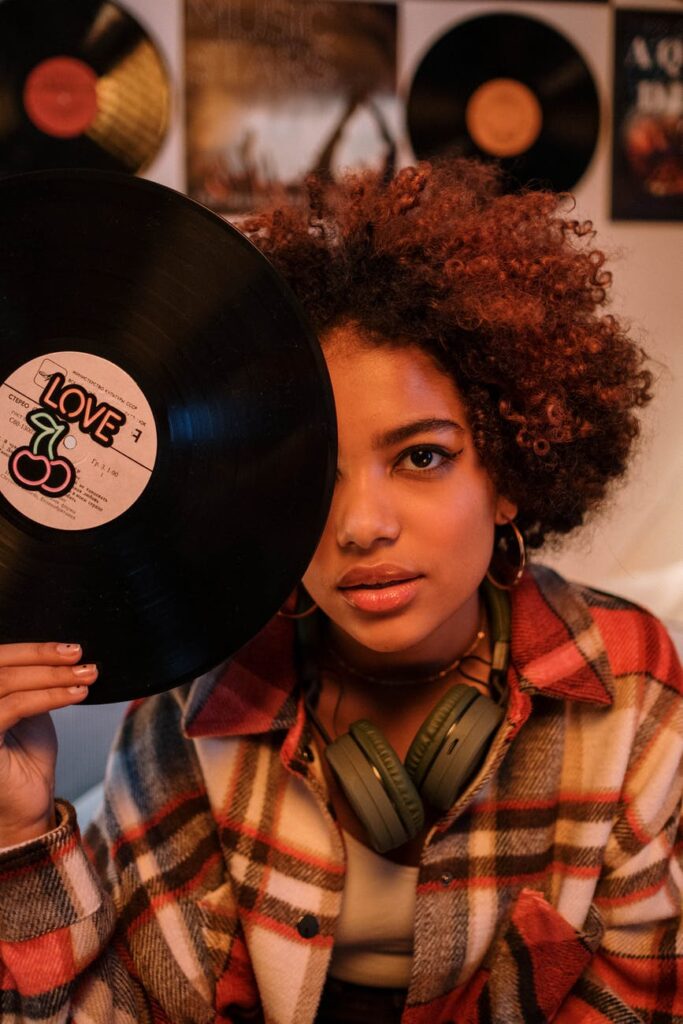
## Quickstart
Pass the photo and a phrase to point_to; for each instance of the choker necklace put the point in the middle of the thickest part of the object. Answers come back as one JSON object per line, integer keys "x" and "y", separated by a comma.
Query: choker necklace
{"x": 479, "y": 636}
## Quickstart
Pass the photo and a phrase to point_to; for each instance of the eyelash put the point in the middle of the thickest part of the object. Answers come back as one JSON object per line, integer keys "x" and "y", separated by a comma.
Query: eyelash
{"x": 446, "y": 455}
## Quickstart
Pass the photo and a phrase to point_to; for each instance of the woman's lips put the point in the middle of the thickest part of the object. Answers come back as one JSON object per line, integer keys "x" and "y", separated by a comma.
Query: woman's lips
{"x": 385, "y": 598}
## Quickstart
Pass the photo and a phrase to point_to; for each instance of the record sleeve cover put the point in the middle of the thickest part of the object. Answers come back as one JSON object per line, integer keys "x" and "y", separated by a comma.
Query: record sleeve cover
{"x": 647, "y": 155}
{"x": 277, "y": 89}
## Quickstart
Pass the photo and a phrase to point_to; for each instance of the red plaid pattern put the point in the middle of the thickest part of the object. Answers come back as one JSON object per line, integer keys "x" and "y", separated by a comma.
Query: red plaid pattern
{"x": 551, "y": 891}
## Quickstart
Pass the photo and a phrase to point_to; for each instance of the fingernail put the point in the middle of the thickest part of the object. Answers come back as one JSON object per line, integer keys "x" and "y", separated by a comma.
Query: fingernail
{"x": 83, "y": 670}
{"x": 78, "y": 690}
{"x": 68, "y": 648}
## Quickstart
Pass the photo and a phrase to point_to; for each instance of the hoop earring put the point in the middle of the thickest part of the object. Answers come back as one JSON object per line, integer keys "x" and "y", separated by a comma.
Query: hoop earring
{"x": 518, "y": 570}
{"x": 298, "y": 615}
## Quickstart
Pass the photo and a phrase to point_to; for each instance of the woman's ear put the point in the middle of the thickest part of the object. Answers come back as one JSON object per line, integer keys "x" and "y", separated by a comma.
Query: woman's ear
{"x": 505, "y": 510}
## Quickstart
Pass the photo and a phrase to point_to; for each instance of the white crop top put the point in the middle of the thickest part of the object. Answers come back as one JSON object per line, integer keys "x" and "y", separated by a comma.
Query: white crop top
{"x": 373, "y": 944}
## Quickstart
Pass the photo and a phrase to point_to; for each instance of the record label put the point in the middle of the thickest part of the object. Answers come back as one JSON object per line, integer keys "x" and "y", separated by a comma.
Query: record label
{"x": 60, "y": 97}
{"x": 78, "y": 440}
{"x": 503, "y": 117}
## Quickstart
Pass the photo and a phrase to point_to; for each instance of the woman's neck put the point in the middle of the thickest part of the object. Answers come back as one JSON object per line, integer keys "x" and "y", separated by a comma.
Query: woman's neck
{"x": 348, "y": 692}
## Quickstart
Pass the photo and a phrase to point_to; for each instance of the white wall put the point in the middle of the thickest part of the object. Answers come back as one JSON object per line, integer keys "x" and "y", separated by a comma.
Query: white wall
{"x": 163, "y": 21}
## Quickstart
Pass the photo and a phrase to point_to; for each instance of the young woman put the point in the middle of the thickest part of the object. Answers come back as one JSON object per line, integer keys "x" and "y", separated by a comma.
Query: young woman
{"x": 442, "y": 784}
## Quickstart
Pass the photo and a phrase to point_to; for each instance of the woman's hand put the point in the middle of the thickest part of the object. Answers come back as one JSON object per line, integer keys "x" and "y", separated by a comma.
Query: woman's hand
{"x": 34, "y": 680}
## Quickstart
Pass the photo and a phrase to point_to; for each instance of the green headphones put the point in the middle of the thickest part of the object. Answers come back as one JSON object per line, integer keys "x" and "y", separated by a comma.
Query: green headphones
{"x": 387, "y": 795}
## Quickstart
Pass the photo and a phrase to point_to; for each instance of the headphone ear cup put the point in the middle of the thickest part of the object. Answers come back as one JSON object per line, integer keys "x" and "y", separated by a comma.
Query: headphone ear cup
{"x": 376, "y": 785}
{"x": 450, "y": 709}
{"x": 451, "y": 744}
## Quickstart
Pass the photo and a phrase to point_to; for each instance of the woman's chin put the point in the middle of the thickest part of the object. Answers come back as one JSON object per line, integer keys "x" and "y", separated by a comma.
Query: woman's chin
{"x": 395, "y": 635}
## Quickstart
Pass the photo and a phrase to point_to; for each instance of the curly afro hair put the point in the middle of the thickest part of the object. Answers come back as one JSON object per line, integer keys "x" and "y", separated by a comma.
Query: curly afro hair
{"x": 506, "y": 294}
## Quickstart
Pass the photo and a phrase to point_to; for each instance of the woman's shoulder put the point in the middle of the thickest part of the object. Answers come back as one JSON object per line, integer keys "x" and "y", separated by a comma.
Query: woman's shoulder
{"x": 560, "y": 590}
{"x": 635, "y": 640}
{"x": 548, "y": 579}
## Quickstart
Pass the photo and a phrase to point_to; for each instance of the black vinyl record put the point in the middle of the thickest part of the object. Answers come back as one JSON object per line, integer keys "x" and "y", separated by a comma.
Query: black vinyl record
{"x": 81, "y": 85}
{"x": 167, "y": 429}
{"x": 511, "y": 88}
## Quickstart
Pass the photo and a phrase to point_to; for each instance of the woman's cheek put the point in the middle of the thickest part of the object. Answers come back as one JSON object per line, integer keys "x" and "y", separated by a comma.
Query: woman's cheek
{"x": 313, "y": 577}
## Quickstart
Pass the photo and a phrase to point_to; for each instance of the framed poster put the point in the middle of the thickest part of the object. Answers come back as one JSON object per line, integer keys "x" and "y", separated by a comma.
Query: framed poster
{"x": 278, "y": 89}
{"x": 647, "y": 148}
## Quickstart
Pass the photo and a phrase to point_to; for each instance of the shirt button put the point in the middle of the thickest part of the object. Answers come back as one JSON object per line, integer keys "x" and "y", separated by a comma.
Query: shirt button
{"x": 308, "y": 926}
{"x": 307, "y": 754}
{"x": 446, "y": 877}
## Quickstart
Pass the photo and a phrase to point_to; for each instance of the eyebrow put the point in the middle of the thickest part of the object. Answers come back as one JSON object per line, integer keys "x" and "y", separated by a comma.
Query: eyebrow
{"x": 402, "y": 433}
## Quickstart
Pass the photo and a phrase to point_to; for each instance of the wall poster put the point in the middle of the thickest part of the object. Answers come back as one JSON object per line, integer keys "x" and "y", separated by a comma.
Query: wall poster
{"x": 647, "y": 155}
{"x": 277, "y": 89}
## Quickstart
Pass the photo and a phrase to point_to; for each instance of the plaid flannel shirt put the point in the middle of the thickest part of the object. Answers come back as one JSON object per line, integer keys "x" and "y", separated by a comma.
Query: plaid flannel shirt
{"x": 550, "y": 891}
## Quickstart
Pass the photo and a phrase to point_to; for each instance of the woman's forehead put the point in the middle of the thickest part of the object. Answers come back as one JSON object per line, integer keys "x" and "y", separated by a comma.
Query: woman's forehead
{"x": 385, "y": 387}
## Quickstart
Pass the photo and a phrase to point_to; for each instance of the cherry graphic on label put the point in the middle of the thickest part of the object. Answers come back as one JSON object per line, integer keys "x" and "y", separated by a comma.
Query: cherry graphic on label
{"x": 61, "y": 479}
{"x": 35, "y": 467}
{"x": 27, "y": 469}
{"x": 39, "y": 473}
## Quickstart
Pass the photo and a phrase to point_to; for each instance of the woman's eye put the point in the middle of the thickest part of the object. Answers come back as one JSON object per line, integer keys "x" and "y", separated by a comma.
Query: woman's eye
{"x": 422, "y": 458}
{"x": 426, "y": 458}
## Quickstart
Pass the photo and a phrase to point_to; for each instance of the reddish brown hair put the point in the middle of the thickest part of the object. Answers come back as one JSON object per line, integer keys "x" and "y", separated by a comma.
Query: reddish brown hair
{"x": 506, "y": 293}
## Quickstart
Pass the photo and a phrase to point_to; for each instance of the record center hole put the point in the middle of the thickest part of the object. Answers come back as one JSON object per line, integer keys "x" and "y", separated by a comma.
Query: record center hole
{"x": 70, "y": 442}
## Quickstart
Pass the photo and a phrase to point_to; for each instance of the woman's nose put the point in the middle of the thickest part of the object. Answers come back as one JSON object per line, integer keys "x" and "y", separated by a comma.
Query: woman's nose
{"x": 364, "y": 515}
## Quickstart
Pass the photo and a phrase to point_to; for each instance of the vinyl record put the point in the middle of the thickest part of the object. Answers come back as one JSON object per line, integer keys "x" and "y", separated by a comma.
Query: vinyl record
{"x": 167, "y": 429}
{"x": 81, "y": 85}
{"x": 510, "y": 88}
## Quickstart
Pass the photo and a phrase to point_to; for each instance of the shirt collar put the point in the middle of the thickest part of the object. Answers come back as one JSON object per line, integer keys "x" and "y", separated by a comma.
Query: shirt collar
{"x": 556, "y": 648}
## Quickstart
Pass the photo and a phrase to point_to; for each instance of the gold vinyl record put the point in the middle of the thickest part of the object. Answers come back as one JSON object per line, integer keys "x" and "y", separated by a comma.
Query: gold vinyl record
{"x": 81, "y": 85}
